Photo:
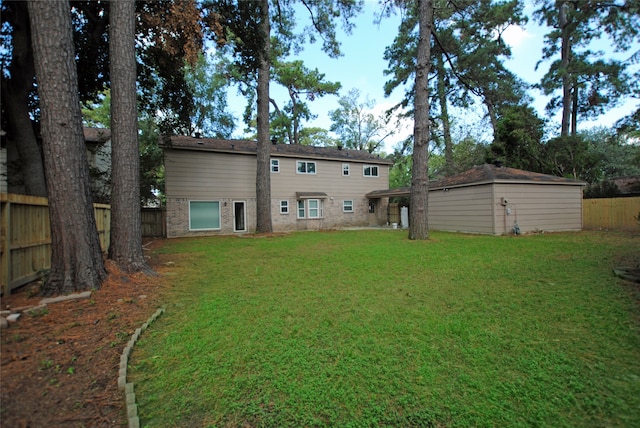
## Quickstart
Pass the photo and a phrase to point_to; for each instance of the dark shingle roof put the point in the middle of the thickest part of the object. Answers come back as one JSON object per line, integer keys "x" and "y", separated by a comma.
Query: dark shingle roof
{"x": 283, "y": 150}
{"x": 482, "y": 174}
{"x": 493, "y": 174}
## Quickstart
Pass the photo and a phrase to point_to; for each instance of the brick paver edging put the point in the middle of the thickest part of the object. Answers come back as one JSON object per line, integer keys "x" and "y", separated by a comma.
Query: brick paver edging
{"x": 129, "y": 395}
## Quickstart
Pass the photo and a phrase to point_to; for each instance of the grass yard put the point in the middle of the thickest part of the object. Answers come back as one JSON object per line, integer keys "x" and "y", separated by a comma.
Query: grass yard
{"x": 366, "y": 328}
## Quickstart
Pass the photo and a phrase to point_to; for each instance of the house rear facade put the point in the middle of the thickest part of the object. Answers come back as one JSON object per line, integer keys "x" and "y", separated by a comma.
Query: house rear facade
{"x": 211, "y": 187}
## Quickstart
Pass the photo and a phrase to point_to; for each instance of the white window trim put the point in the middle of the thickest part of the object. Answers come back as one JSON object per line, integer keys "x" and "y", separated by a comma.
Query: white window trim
{"x": 209, "y": 228}
{"x": 307, "y": 210}
{"x": 277, "y": 165}
{"x": 284, "y": 204}
{"x": 347, "y": 169}
{"x": 315, "y": 167}
{"x": 364, "y": 168}
{"x": 347, "y": 207}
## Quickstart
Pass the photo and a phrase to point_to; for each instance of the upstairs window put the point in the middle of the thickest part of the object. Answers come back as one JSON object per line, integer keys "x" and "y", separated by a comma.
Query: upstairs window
{"x": 370, "y": 171}
{"x": 275, "y": 165}
{"x": 345, "y": 169}
{"x": 304, "y": 167}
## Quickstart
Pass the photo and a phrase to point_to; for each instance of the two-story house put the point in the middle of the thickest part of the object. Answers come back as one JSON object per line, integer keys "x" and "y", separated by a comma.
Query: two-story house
{"x": 211, "y": 187}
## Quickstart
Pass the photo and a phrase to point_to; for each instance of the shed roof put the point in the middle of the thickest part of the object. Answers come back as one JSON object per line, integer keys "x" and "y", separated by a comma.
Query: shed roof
{"x": 281, "y": 150}
{"x": 96, "y": 135}
{"x": 483, "y": 174}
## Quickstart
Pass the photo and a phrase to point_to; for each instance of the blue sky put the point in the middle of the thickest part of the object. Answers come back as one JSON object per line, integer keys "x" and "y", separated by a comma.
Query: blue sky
{"x": 362, "y": 66}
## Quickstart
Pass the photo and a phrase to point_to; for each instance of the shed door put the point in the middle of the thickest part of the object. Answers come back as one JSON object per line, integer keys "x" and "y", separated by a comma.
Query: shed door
{"x": 239, "y": 217}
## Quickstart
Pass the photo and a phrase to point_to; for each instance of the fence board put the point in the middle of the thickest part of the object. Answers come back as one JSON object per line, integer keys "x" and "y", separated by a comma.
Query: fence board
{"x": 154, "y": 222}
{"x": 25, "y": 238}
{"x": 611, "y": 213}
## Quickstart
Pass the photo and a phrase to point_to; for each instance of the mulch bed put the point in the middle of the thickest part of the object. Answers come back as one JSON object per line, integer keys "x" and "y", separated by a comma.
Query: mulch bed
{"x": 59, "y": 365}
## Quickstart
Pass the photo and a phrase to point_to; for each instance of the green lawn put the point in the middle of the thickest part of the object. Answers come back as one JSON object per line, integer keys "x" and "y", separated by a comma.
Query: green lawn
{"x": 366, "y": 328}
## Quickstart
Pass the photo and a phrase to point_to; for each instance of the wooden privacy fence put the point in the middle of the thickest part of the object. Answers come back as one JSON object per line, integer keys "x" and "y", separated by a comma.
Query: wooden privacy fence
{"x": 611, "y": 213}
{"x": 25, "y": 238}
{"x": 154, "y": 222}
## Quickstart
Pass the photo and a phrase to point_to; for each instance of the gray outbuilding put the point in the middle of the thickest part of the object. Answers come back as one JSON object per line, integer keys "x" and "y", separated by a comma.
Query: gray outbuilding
{"x": 496, "y": 200}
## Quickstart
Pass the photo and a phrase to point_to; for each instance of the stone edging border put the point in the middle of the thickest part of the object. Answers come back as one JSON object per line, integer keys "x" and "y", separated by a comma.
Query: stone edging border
{"x": 130, "y": 396}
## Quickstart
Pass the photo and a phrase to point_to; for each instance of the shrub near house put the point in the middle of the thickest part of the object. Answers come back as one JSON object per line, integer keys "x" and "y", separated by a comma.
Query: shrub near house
{"x": 211, "y": 187}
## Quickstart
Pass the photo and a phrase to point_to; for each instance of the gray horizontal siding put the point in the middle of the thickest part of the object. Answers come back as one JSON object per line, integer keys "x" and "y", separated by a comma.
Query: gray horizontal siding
{"x": 198, "y": 175}
{"x": 538, "y": 207}
{"x": 466, "y": 209}
{"x": 328, "y": 179}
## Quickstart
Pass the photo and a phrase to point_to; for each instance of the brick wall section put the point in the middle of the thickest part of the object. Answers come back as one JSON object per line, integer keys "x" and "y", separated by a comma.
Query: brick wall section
{"x": 334, "y": 217}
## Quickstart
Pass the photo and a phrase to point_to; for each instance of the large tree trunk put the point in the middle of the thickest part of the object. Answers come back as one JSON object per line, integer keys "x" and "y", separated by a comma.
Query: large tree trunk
{"x": 565, "y": 59}
{"x": 15, "y": 94}
{"x": 76, "y": 258}
{"x": 418, "y": 221}
{"x": 263, "y": 169}
{"x": 126, "y": 223}
{"x": 574, "y": 107}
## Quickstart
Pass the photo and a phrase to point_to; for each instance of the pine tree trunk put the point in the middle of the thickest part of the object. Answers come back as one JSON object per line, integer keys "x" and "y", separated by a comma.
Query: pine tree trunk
{"x": 418, "y": 221}
{"x": 263, "y": 169}
{"x": 126, "y": 222}
{"x": 76, "y": 257}
{"x": 15, "y": 94}
{"x": 565, "y": 59}
{"x": 449, "y": 167}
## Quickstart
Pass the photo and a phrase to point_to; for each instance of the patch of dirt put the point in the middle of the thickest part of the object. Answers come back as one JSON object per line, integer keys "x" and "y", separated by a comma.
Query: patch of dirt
{"x": 59, "y": 365}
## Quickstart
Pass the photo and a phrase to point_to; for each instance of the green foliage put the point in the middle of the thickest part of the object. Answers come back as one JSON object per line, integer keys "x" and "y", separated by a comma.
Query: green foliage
{"x": 300, "y": 82}
{"x": 400, "y": 173}
{"x": 587, "y": 83}
{"x": 603, "y": 189}
{"x": 236, "y": 32}
{"x": 570, "y": 156}
{"x": 97, "y": 113}
{"x": 151, "y": 161}
{"x": 357, "y": 126}
{"x": 207, "y": 82}
{"x": 464, "y": 36}
{"x": 466, "y": 154}
{"x": 518, "y": 139}
{"x": 618, "y": 154}
{"x": 368, "y": 328}
{"x": 316, "y": 137}
{"x": 168, "y": 34}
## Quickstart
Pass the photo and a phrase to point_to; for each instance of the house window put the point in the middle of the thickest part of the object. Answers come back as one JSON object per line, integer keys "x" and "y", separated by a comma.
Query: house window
{"x": 304, "y": 167}
{"x": 314, "y": 208}
{"x": 310, "y": 208}
{"x": 345, "y": 169}
{"x": 370, "y": 171}
{"x": 204, "y": 215}
{"x": 347, "y": 206}
{"x": 284, "y": 207}
{"x": 275, "y": 165}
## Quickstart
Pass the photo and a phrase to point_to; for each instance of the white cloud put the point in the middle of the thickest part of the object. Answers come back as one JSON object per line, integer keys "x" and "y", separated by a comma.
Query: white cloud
{"x": 515, "y": 36}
